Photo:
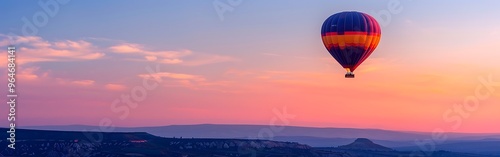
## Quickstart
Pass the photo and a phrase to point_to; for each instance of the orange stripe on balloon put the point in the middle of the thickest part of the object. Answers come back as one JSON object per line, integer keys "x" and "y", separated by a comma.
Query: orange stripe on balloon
{"x": 352, "y": 33}
{"x": 368, "y": 41}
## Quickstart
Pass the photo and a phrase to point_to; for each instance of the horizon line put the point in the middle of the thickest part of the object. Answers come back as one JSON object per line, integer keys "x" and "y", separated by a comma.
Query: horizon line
{"x": 221, "y": 124}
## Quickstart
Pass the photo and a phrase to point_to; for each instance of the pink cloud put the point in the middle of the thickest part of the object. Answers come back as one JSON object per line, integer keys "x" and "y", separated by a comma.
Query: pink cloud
{"x": 68, "y": 44}
{"x": 171, "y": 61}
{"x": 126, "y": 48}
{"x": 35, "y": 49}
{"x": 28, "y": 74}
{"x": 35, "y": 74}
{"x": 26, "y": 39}
{"x": 194, "y": 82}
{"x": 115, "y": 87}
{"x": 83, "y": 82}
{"x": 166, "y": 57}
{"x": 150, "y": 58}
{"x": 182, "y": 57}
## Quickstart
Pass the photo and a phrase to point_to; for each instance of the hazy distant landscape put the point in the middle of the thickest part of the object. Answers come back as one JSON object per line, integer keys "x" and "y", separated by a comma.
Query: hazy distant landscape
{"x": 318, "y": 139}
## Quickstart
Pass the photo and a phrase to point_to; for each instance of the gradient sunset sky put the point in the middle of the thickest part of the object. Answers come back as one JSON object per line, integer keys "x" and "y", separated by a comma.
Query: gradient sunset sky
{"x": 261, "y": 57}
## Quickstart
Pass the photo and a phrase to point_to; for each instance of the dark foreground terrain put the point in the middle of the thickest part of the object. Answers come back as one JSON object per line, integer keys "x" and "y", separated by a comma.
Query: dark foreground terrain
{"x": 97, "y": 144}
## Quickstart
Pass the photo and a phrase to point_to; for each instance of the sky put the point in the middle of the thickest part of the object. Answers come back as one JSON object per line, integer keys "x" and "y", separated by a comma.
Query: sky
{"x": 155, "y": 63}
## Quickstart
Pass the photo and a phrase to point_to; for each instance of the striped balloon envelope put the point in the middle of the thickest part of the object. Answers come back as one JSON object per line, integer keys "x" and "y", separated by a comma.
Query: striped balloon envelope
{"x": 350, "y": 37}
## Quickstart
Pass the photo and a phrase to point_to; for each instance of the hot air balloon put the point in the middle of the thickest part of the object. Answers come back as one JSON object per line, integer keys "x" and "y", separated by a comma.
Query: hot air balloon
{"x": 350, "y": 37}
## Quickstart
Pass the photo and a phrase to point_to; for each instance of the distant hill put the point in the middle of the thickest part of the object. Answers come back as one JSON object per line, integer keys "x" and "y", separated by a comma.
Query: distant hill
{"x": 329, "y": 142}
{"x": 112, "y": 144}
{"x": 251, "y": 131}
{"x": 363, "y": 147}
{"x": 364, "y": 144}
{"x": 24, "y": 134}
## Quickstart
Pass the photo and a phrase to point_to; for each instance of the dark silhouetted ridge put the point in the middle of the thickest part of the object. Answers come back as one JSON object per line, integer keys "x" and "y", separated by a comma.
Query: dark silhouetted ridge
{"x": 364, "y": 144}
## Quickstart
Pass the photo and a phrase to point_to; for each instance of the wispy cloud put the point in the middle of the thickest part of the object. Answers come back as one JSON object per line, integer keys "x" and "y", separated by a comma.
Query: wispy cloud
{"x": 182, "y": 57}
{"x": 83, "y": 82}
{"x": 193, "y": 82}
{"x": 151, "y": 58}
{"x": 36, "y": 49}
{"x": 115, "y": 87}
{"x": 29, "y": 74}
{"x": 126, "y": 48}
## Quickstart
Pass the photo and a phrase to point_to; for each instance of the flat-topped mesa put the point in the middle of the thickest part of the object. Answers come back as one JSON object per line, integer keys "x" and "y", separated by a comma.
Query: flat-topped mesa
{"x": 364, "y": 144}
{"x": 363, "y": 140}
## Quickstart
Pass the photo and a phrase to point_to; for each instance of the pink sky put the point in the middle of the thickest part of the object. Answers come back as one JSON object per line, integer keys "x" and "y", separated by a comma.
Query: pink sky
{"x": 262, "y": 58}
{"x": 389, "y": 93}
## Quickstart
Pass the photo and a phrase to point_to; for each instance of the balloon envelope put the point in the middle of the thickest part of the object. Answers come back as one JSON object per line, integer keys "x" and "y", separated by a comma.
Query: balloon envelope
{"x": 350, "y": 37}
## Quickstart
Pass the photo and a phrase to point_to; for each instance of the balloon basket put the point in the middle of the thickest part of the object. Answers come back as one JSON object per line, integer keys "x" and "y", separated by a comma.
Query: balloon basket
{"x": 349, "y": 75}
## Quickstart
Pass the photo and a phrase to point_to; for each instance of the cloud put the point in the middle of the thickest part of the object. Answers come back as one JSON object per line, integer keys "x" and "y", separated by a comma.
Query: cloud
{"x": 177, "y": 79}
{"x": 115, "y": 87}
{"x": 28, "y": 74}
{"x": 83, "y": 82}
{"x": 181, "y": 57}
{"x": 126, "y": 48}
{"x": 194, "y": 82}
{"x": 68, "y": 44}
{"x": 150, "y": 58}
{"x": 171, "y": 61}
{"x": 6, "y": 40}
{"x": 35, "y": 76}
{"x": 35, "y": 49}
{"x": 137, "y": 50}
